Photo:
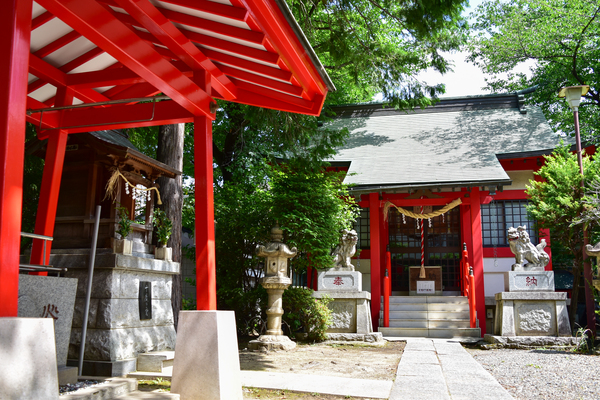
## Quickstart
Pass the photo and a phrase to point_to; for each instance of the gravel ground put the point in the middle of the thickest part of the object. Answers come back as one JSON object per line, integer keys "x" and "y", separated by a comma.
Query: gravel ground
{"x": 543, "y": 373}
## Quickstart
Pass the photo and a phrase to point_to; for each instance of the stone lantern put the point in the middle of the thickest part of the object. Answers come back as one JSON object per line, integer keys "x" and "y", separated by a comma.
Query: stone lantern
{"x": 275, "y": 281}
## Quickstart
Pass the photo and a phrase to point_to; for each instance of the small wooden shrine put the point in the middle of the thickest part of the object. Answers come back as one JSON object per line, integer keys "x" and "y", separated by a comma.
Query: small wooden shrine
{"x": 92, "y": 160}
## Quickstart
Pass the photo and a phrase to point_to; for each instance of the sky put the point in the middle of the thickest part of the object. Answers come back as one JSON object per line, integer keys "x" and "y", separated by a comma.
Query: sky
{"x": 467, "y": 79}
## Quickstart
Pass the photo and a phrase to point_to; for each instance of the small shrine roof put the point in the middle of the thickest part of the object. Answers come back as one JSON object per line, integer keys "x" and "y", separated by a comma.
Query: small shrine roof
{"x": 456, "y": 143}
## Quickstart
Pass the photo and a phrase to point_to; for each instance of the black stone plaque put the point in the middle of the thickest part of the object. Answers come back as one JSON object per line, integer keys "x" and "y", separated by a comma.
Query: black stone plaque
{"x": 145, "y": 300}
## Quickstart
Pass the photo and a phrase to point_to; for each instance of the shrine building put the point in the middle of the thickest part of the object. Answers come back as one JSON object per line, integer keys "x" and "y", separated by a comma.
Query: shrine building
{"x": 467, "y": 160}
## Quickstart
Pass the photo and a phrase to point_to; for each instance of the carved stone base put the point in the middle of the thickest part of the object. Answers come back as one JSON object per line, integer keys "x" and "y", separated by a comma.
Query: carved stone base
{"x": 350, "y": 311}
{"x": 532, "y": 314}
{"x": 272, "y": 343}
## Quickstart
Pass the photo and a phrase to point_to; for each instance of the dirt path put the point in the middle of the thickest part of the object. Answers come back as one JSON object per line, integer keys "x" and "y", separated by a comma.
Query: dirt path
{"x": 378, "y": 363}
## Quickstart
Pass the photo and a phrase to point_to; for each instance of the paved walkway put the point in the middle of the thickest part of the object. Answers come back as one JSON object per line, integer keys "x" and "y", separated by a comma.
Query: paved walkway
{"x": 441, "y": 369}
{"x": 430, "y": 369}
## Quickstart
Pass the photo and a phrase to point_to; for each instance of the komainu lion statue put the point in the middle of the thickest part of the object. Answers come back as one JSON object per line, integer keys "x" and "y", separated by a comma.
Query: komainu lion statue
{"x": 345, "y": 250}
{"x": 524, "y": 250}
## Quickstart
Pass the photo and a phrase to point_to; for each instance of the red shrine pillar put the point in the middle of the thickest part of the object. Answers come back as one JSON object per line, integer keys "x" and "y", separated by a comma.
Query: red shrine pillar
{"x": 50, "y": 188}
{"x": 15, "y": 23}
{"x": 206, "y": 281}
{"x": 375, "y": 259}
{"x": 476, "y": 259}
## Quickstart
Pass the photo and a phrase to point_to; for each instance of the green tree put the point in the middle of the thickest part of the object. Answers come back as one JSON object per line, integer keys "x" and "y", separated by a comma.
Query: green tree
{"x": 313, "y": 207}
{"x": 555, "y": 203}
{"x": 560, "y": 38}
{"x": 379, "y": 46}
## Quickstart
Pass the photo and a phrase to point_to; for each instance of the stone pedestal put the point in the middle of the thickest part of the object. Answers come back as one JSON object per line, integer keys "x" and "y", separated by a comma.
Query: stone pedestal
{"x": 532, "y": 314}
{"x": 117, "y": 330}
{"x": 529, "y": 281}
{"x": 28, "y": 359}
{"x": 207, "y": 364}
{"x": 350, "y": 308}
{"x": 53, "y": 298}
{"x": 339, "y": 280}
{"x": 350, "y": 311}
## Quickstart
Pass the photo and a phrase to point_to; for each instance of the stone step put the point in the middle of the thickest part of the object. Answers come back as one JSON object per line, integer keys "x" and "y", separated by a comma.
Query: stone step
{"x": 431, "y": 332}
{"x": 155, "y": 361}
{"x": 427, "y": 299}
{"x": 148, "y": 395}
{"x": 427, "y": 314}
{"x": 423, "y": 323}
{"x": 428, "y": 306}
{"x": 165, "y": 375}
{"x": 110, "y": 389}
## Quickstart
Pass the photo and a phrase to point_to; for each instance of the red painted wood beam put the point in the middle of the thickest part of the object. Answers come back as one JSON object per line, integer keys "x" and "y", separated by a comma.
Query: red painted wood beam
{"x": 41, "y": 20}
{"x": 262, "y": 81}
{"x": 57, "y": 44}
{"x": 259, "y": 100}
{"x": 105, "y": 77}
{"x": 270, "y": 72}
{"x": 49, "y": 74}
{"x": 35, "y": 117}
{"x": 50, "y": 188}
{"x": 116, "y": 116}
{"x": 216, "y": 27}
{"x": 268, "y": 16}
{"x": 211, "y": 7}
{"x": 297, "y": 101}
{"x": 231, "y": 47}
{"x": 375, "y": 258}
{"x": 15, "y": 23}
{"x": 150, "y": 18}
{"x": 107, "y": 32}
{"x": 206, "y": 281}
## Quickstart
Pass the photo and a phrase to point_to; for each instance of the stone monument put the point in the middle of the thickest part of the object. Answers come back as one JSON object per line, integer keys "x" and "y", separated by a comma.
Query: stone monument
{"x": 350, "y": 308}
{"x": 529, "y": 306}
{"x": 275, "y": 281}
{"x": 54, "y": 298}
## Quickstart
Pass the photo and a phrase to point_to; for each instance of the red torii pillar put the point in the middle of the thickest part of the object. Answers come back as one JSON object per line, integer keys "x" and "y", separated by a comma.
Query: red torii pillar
{"x": 206, "y": 281}
{"x": 15, "y": 24}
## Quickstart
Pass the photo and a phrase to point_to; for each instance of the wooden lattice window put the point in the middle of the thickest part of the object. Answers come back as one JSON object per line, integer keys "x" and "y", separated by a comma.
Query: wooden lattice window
{"x": 498, "y": 216}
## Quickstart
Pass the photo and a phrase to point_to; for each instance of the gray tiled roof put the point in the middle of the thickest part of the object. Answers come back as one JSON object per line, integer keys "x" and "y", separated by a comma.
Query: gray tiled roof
{"x": 114, "y": 137}
{"x": 449, "y": 147}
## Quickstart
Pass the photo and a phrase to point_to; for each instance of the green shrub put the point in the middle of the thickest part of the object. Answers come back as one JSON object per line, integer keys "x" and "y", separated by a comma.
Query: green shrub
{"x": 304, "y": 313}
{"x": 247, "y": 306}
{"x": 124, "y": 222}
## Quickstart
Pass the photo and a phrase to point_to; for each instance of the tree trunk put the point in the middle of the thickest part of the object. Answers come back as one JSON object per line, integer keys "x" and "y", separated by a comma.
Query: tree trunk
{"x": 170, "y": 152}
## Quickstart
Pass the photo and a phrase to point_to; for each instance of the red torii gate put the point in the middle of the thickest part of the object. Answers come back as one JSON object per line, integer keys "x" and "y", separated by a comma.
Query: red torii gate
{"x": 110, "y": 54}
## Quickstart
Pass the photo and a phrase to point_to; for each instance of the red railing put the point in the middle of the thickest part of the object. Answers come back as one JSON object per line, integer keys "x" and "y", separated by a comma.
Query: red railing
{"x": 387, "y": 291}
{"x": 468, "y": 285}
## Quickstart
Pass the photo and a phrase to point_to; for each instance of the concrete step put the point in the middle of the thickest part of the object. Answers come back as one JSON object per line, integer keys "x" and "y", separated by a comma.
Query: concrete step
{"x": 155, "y": 361}
{"x": 427, "y": 299}
{"x": 407, "y": 306}
{"x": 165, "y": 375}
{"x": 112, "y": 388}
{"x": 427, "y": 314}
{"x": 423, "y": 323}
{"x": 431, "y": 332}
{"x": 148, "y": 395}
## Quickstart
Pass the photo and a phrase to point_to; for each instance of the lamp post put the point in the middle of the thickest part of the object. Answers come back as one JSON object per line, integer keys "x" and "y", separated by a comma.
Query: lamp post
{"x": 573, "y": 96}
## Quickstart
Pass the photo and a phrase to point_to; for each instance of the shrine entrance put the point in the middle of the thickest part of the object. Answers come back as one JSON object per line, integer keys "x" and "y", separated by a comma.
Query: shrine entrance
{"x": 441, "y": 247}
